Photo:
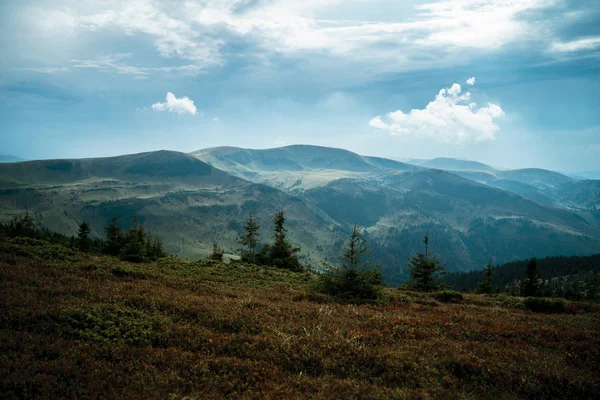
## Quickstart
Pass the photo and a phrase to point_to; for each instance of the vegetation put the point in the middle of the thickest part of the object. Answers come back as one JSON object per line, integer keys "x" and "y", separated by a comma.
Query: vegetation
{"x": 196, "y": 329}
{"x": 281, "y": 253}
{"x": 354, "y": 281}
{"x": 486, "y": 286}
{"x": 250, "y": 240}
{"x": 217, "y": 253}
{"x": 573, "y": 277}
{"x": 424, "y": 269}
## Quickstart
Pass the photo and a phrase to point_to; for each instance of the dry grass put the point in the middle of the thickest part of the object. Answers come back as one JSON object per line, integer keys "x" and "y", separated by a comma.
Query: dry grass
{"x": 91, "y": 327}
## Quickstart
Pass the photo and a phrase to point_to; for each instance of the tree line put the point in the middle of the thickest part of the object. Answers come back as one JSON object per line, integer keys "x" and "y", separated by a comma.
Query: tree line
{"x": 133, "y": 244}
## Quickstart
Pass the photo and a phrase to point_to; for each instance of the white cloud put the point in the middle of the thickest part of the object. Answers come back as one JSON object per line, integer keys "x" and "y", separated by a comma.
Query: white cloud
{"x": 576, "y": 45}
{"x": 471, "y": 81}
{"x": 182, "y": 105}
{"x": 450, "y": 117}
{"x": 200, "y": 31}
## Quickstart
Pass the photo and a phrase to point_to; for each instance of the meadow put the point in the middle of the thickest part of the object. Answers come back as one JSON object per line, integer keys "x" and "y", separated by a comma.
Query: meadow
{"x": 75, "y": 325}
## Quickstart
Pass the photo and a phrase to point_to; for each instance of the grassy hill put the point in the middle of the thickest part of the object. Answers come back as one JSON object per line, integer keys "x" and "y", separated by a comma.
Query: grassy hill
{"x": 81, "y": 326}
{"x": 186, "y": 202}
{"x": 190, "y": 203}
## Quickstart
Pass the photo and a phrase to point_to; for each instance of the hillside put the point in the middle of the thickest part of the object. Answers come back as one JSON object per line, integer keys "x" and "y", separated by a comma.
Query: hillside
{"x": 453, "y": 164}
{"x": 186, "y": 202}
{"x": 80, "y": 326}
{"x": 6, "y": 158}
{"x": 190, "y": 203}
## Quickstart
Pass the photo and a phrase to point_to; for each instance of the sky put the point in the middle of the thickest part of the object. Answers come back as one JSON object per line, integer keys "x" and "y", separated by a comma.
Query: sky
{"x": 512, "y": 83}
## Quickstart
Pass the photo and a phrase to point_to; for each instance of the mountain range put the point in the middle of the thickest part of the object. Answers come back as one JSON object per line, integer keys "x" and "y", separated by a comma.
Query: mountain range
{"x": 473, "y": 212}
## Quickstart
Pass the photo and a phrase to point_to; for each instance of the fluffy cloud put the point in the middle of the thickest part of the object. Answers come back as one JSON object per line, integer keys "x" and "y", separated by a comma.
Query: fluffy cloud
{"x": 202, "y": 32}
{"x": 450, "y": 117}
{"x": 182, "y": 105}
{"x": 471, "y": 81}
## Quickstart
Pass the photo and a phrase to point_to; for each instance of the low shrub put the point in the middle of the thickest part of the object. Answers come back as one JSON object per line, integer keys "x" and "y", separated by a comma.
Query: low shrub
{"x": 544, "y": 305}
{"x": 448, "y": 296}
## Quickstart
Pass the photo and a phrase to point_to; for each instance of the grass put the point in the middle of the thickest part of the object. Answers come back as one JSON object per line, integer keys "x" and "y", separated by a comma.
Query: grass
{"x": 84, "y": 326}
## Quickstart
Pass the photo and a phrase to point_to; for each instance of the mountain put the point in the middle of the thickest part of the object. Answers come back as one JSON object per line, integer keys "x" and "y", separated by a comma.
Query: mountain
{"x": 191, "y": 200}
{"x": 298, "y": 167}
{"x": 186, "y": 202}
{"x": 472, "y": 216}
{"x": 6, "y": 158}
{"x": 453, "y": 164}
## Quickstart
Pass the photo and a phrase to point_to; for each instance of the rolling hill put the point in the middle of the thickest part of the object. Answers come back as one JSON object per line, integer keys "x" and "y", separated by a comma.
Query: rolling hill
{"x": 191, "y": 200}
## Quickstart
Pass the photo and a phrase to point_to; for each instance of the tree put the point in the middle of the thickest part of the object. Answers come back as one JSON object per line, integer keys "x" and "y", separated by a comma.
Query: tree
{"x": 485, "y": 287}
{"x": 21, "y": 226}
{"x": 281, "y": 253}
{"x": 353, "y": 281}
{"x": 84, "y": 241}
{"x": 530, "y": 287}
{"x": 250, "y": 240}
{"x": 217, "y": 252}
{"x": 134, "y": 249}
{"x": 423, "y": 270}
{"x": 114, "y": 238}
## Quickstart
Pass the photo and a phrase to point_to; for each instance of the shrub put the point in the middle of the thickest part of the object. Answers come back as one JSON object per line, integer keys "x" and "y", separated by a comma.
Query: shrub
{"x": 448, "y": 296}
{"x": 544, "y": 305}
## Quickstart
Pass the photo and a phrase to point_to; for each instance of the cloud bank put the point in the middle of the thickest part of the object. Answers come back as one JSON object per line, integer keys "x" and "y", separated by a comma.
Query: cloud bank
{"x": 182, "y": 105}
{"x": 451, "y": 117}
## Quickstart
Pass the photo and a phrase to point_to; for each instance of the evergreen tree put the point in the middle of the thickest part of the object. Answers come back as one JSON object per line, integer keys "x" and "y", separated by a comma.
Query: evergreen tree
{"x": 217, "y": 252}
{"x": 250, "y": 240}
{"x": 353, "y": 281}
{"x": 21, "y": 226}
{"x": 281, "y": 253}
{"x": 485, "y": 286}
{"x": 423, "y": 270}
{"x": 530, "y": 286}
{"x": 84, "y": 242}
{"x": 134, "y": 249}
{"x": 114, "y": 238}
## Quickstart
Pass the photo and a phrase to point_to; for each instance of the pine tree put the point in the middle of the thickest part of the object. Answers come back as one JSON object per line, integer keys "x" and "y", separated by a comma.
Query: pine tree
{"x": 134, "y": 249}
{"x": 114, "y": 238}
{"x": 217, "y": 252}
{"x": 530, "y": 286}
{"x": 250, "y": 240}
{"x": 84, "y": 241}
{"x": 281, "y": 253}
{"x": 423, "y": 269}
{"x": 353, "y": 281}
{"x": 485, "y": 286}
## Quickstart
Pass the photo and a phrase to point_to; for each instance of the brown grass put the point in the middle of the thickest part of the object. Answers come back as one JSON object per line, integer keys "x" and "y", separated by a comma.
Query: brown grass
{"x": 95, "y": 327}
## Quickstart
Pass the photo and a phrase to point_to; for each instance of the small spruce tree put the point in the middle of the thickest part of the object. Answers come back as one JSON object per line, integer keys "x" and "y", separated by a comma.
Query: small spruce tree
{"x": 250, "y": 240}
{"x": 217, "y": 253}
{"x": 530, "y": 286}
{"x": 114, "y": 238}
{"x": 353, "y": 281}
{"x": 423, "y": 270}
{"x": 281, "y": 253}
{"x": 486, "y": 286}
{"x": 84, "y": 242}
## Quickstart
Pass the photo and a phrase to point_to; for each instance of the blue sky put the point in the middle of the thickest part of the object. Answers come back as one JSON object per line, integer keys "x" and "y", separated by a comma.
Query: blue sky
{"x": 379, "y": 77}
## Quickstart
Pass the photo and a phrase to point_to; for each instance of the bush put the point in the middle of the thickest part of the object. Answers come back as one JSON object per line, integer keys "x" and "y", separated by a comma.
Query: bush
{"x": 544, "y": 305}
{"x": 448, "y": 296}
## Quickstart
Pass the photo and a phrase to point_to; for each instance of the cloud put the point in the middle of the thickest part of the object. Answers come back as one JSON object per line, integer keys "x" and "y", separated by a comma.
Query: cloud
{"x": 589, "y": 43}
{"x": 182, "y": 105}
{"x": 451, "y": 117}
{"x": 471, "y": 81}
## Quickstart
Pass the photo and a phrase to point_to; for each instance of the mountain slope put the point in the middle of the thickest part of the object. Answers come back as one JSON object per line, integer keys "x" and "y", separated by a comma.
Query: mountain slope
{"x": 183, "y": 200}
{"x": 453, "y": 164}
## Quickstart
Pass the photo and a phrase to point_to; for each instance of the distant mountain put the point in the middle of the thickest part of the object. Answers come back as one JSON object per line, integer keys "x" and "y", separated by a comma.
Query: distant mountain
{"x": 299, "y": 167}
{"x": 181, "y": 199}
{"x": 191, "y": 200}
{"x": 453, "y": 164}
{"x": 6, "y": 158}
{"x": 594, "y": 174}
